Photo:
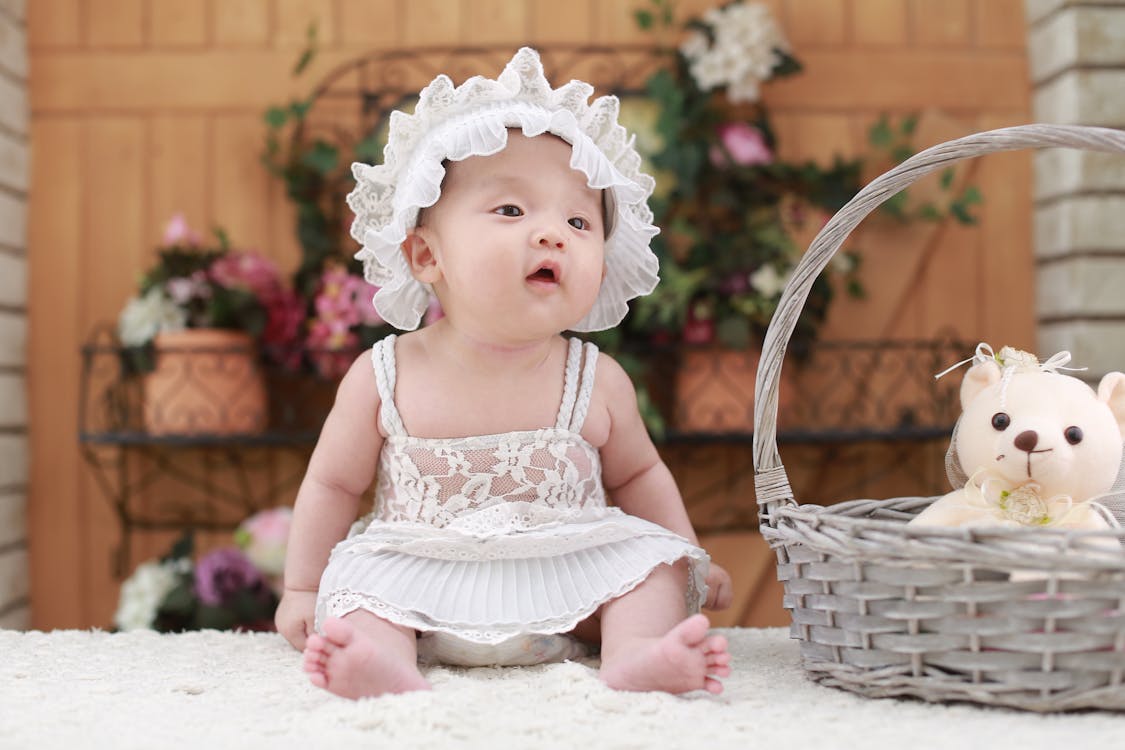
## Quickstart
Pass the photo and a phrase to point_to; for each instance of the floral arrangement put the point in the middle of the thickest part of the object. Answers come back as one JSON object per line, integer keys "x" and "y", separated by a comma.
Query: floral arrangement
{"x": 731, "y": 210}
{"x": 231, "y": 588}
{"x": 197, "y": 284}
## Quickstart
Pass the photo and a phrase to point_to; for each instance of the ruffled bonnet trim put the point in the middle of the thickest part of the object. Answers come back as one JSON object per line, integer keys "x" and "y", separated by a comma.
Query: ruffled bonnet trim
{"x": 473, "y": 120}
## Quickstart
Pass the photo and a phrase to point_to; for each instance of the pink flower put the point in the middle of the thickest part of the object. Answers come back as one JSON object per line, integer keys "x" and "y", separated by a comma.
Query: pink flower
{"x": 247, "y": 270}
{"x": 264, "y": 536}
{"x": 184, "y": 289}
{"x": 329, "y": 345}
{"x": 177, "y": 232}
{"x": 742, "y": 144}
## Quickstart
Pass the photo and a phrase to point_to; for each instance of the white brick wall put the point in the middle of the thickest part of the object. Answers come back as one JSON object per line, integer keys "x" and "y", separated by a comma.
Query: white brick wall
{"x": 15, "y": 611}
{"x": 1076, "y": 56}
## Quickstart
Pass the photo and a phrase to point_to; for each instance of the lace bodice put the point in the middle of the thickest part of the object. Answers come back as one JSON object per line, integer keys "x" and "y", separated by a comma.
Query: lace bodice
{"x": 438, "y": 480}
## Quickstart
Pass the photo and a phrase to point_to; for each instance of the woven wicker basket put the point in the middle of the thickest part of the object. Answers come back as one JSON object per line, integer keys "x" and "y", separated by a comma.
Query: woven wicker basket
{"x": 889, "y": 610}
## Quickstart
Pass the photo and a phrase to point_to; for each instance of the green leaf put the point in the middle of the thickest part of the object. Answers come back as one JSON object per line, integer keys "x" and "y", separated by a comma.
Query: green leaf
{"x": 896, "y": 205}
{"x": 929, "y": 212}
{"x": 276, "y": 117}
{"x": 298, "y": 108}
{"x": 961, "y": 214}
{"x": 880, "y": 134}
{"x": 908, "y": 125}
{"x": 369, "y": 149}
{"x": 182, "y": 548}
{"x": 971, "y": 196}
{"x": 309, "y": 52}
{"x": 180, "y": 600}
{"x": 734, "y": 332}
{"x": 787, "y": 65}
{"x": 322, "y": 156}
{"x": 947, "y": 175}
{"x": 644, "y": 19}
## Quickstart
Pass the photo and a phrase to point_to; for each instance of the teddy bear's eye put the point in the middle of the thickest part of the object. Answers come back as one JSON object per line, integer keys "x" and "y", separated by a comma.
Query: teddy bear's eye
{"x": 1000, "y": 421}
{"x": 1073, "y": 435}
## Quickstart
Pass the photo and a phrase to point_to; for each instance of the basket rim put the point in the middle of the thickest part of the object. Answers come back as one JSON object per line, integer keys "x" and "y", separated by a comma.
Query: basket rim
{"x": 873, "y": 539}
{"x": 771, "y": 482}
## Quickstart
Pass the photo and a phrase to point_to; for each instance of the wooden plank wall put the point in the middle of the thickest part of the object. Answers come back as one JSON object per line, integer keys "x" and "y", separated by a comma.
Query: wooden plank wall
{"x": 141, "y": 108}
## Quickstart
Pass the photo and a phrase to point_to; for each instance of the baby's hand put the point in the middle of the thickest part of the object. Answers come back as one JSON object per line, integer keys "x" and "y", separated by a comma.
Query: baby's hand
{"x": 720, "y": 591}
{"x": 295, "y": 616}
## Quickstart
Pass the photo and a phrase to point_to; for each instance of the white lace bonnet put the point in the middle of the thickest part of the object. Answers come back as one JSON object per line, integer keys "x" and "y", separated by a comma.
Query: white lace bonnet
{"x": 472, "y": 120}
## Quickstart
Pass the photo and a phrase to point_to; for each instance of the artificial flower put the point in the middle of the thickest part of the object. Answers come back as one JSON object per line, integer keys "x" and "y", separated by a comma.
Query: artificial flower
{"x": 148, "y": 315}
{"x": 263, "y": 537}
{"x": 742, "y": 144}
{"x": 143, "y": 593}
{"x": 223, "y": 573}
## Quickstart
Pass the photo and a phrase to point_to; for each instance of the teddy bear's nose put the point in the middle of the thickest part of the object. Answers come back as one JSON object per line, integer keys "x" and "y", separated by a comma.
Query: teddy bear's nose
{"x": 1027, "y": 440}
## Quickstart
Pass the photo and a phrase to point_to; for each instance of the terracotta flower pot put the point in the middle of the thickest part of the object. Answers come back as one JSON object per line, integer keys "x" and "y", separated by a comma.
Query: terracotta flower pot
{"x": 206, "y": 381}
{"x": 715, "y": 390}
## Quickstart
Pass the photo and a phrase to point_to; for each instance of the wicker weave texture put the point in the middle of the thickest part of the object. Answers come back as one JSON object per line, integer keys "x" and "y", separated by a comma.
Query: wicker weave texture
{"x": 1027, "y": 618}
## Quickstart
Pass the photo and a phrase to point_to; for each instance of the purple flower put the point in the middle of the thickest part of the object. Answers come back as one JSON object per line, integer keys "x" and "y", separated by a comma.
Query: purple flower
{"x": 221, "y": 574}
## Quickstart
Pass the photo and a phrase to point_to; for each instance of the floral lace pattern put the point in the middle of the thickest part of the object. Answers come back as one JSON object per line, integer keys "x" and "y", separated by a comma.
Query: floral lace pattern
{"x": 435, "y": 481}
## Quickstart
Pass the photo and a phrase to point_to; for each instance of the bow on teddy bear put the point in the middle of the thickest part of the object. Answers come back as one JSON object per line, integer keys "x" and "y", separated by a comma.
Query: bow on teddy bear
{"x": 1037, "y": 447}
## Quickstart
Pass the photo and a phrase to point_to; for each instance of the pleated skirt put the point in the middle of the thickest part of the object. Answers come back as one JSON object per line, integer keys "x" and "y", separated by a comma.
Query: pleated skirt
{"x": 488, "y": 587}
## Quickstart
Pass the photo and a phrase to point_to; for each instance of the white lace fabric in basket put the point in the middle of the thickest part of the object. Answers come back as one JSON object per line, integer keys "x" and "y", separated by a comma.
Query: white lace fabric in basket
{"x": 492, "y": 537}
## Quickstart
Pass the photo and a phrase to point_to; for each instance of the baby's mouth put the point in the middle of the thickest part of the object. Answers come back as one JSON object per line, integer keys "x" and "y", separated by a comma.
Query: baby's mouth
{"x": 544, "y": 275}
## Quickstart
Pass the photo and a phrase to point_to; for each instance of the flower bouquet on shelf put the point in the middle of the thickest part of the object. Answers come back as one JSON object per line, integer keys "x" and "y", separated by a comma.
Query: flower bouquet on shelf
{"x": 731, "y": 211}
{"x": 205, "y": 284}
{"x": 231, "y": 588}
{"x": 194, "y": 329}
{"x": 735, "y": 216}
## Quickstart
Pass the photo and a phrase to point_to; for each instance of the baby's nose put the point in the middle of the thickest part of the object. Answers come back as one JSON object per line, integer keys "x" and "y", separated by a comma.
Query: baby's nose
{"x": 549, "y": 238}
{"x": 1027, "y": 440}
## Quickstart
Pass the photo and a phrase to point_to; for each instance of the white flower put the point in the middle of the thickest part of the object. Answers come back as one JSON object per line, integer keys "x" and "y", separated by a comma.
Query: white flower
{"x": 695, "y": 45}
{"x": 143, "y": 592}
{"x": 144, "y": 317}
{"x": 1022, "y": 361}
{"x": 1024, "y": 505}
{"x": 743, "y": 53}
{"x": 768, "y": 282}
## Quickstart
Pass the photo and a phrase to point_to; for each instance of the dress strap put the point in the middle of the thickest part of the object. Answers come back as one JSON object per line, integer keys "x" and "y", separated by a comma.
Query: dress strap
{"x": 578, "y": 385}
{"x": 570, "y": 384}
{"x": 383, "y": 360}
{"x": 585, "y": 387}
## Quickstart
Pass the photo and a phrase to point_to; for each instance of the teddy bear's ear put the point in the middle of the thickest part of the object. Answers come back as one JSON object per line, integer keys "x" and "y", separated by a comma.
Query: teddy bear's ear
{"x": 1112, "y": 391}
{"x": 979, "y": 377}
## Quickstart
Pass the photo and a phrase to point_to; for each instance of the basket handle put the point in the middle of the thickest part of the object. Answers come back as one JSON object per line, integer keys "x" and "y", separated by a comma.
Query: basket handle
{"x": 770, "y": 480}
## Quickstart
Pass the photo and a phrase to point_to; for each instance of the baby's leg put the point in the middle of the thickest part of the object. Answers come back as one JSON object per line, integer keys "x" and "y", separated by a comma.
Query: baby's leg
{"x": 362, "y": 655}
{"x": 648, "y": 645}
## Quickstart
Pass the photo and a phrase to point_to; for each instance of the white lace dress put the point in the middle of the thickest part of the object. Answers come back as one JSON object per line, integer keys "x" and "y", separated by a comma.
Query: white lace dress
{"x": 490, "y": 539}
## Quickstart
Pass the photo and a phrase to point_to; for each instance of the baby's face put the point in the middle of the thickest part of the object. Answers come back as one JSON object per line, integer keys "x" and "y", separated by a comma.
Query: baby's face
{"x": 519, "y": 240}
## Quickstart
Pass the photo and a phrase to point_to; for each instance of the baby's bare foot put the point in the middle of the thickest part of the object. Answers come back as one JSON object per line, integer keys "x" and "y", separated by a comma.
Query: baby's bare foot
{"x": 683, "y": 659}
{"x": 347, "y": 663}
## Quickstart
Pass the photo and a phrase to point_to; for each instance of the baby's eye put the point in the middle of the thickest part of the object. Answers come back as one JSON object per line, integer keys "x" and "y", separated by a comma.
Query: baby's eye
{"x": 579, "y": 223}
{"x": 508, "y": 210}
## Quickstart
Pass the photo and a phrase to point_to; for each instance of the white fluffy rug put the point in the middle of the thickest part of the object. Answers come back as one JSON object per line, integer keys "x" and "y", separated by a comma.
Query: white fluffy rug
{"x": 72, "y": 689}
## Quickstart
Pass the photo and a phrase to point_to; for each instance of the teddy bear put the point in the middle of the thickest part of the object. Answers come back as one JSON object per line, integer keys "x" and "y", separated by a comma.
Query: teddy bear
{"x": 1037, "y": 447}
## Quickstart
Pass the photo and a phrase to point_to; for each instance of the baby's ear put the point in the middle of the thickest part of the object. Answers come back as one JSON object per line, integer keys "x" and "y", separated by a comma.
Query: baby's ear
{"x": 1111, "y": 391}
{"x": 979, "y": 377}
{"x": 420, "y": 257}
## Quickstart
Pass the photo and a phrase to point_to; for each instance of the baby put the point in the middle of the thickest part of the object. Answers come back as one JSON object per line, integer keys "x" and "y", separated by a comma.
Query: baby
{"x": 496, "y": 444}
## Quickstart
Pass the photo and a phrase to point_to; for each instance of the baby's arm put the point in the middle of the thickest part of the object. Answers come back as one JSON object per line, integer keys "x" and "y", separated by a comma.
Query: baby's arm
{"x": 635, "y": 476}
{"x": 340, "y": 471}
